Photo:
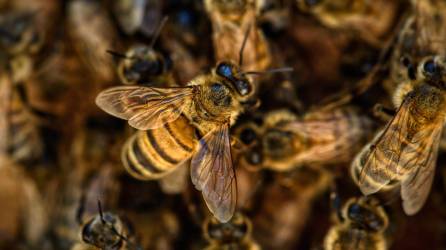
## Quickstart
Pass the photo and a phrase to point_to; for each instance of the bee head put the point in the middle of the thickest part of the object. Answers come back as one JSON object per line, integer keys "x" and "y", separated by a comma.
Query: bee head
{"x": 141, "y": 63}
{"x": 233, "y": 74}
{"x": 278, "y": 143}
{"x": 433, "y": 71}
{"x": 102, "y": 231}
{"x": 234, "y": 230}
{"x": 365, "y": 214}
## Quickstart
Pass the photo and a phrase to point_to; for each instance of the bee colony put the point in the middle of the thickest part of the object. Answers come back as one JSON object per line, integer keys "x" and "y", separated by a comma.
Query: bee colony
{"x": 222, "y": 124}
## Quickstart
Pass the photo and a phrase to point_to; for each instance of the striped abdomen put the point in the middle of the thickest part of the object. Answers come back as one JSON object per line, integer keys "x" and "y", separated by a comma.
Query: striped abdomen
{"x": 154, "y": 153}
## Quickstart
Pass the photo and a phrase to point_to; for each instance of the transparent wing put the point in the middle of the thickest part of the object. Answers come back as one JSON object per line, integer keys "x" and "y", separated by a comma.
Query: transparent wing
{"x": 212, "y": 173}
{"x": 144, "y": 107}
{"x": 415, "y": 188}
{"x": 402, "y": 148}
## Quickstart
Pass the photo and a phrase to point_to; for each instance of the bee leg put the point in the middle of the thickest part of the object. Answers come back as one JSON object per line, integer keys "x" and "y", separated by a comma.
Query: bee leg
{"x": 383, "y": 113}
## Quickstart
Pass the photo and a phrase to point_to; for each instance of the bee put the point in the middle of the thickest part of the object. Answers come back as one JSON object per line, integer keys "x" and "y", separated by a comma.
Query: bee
{"x": 360, "y": 225}
{"x": 421, "y": 35}
{"x": 405, "y": 151}
{"x": 234, "y": 234}
{"x": 371, "y": 20}
{"x": 105, "y": 230}
{"x": 230, "y": 20}
{"x": 19, "y": 40}
{"x": 143, "y": 65}
{"x": 285, "y": 141}
{"x": 18, "y": 34}
{"x": 286, "y": 206}
{"x": 93, "y": 34}
{"x": 19, "y": 134}
{"x": 168, "y": 119}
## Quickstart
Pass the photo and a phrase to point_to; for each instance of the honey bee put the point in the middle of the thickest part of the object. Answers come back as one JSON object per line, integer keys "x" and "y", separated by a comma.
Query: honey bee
{"x": 234, "y": 234}
{"x": 421, "y": 35}
{"x": 19, "y": 40}
{"x": 360, "y": 225}
{"x": 93, "y": 34}
{"x": 405, "y": 151}
{"x": 230, "y": 21}
{"x": 284, "y": 141}
{"x": 19, "y": 134}
{"x": 18, "y": 35}
{"x": 143, "y": 65}
{"x": 168, "y": 119}
{"x": 371, "y": 20}
{"x": 105, "y": 230}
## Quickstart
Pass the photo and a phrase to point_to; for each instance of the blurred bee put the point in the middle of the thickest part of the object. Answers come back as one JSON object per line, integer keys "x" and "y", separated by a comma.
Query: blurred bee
{"x": 371, "y": 20}
{"x": 230, "y": 20}
{"x": 143, "y": 65}
{"x": 360, "y": 225}
{"x": 19, "y": 134}
{"x": 19, "y": 40}
{"x": 105, "y": 231}
{"x": 18, "y": 34}
{"x": 92, "y": 33}
{"x": 421, "y": 35}
{"x": 234, "y": 234}
{"x": 286, "y": 206}
{"x": 284, "y": 141}
{"x": 405, "y": 151}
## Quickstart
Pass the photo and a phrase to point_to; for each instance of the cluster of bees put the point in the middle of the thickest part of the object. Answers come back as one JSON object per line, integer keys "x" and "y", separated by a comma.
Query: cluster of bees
{"x": 303, "y": 124}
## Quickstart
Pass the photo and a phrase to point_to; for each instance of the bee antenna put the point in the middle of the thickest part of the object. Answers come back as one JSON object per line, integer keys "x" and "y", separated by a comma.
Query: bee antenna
{"x": 245, "y": 39}
{"x": 101, "y": 215}
{"x": 270, "y": 71}
{"x": 117, "y": 54}
{"x": 158, "y": 31}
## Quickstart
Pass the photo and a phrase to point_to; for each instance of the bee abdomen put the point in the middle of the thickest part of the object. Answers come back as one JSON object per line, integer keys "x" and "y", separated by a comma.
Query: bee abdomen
{"x": 153, "y": 154}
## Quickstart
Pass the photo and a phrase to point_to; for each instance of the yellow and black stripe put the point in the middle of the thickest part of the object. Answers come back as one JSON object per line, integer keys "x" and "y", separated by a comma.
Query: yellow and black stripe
{"x": 154, "y": 153}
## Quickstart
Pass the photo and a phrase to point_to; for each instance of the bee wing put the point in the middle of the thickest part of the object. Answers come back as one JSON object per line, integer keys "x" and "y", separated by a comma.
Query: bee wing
{"x": 415, "y": 188}
{"x": 144, "y": 107}
{"x": 212, "y": 173}
{"x": 398, "y": 151}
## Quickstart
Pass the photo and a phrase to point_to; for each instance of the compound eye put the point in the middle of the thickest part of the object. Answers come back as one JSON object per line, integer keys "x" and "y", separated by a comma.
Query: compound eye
{"x": 243, "y": 87}
{"x": 429, "y": 67}
{"x": 354, "y": 211}
{"x": 224, "y": 70}
{"x": 216, "y": 87}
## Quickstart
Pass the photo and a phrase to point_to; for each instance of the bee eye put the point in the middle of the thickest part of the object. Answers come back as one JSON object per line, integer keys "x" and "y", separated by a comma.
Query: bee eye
{"x": 353, "y": 211}
{"x": 429, "y": 67}
{"x": 224, "y": 70}
{"x": 248, "y": 136}
{"x": 216, "y": 87}
{"x": 243, "y": 87}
